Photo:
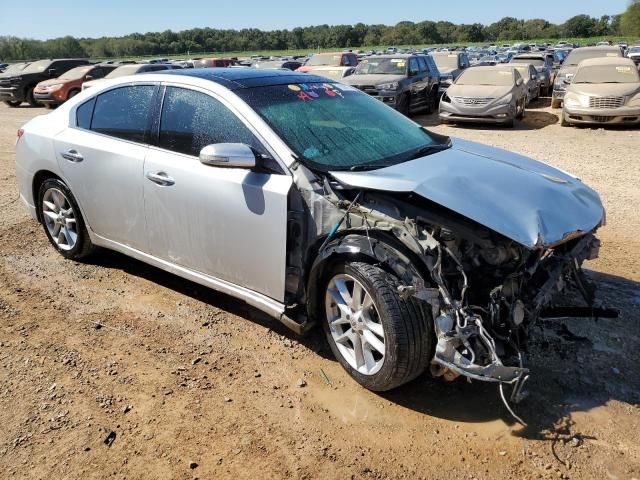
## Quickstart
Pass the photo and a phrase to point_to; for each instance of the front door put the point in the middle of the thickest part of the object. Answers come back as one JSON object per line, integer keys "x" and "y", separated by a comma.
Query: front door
{"x": 228, "y": 223}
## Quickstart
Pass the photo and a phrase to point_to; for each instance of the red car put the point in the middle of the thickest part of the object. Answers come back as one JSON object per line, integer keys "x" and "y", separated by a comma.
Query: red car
{"x": 58, "y": 90}
{"x": 214, "y": 62}
{"x": 345, "y": 59}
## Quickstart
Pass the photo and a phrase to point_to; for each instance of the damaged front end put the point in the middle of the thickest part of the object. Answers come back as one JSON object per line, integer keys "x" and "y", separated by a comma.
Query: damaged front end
{"x": 483, "y": 291}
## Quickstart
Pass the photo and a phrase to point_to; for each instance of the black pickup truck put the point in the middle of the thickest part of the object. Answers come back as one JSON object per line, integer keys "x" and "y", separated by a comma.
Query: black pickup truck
{"x": 17, "y": 87}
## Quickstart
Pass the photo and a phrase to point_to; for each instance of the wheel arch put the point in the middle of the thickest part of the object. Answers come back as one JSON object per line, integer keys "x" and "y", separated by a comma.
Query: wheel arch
{"x": 378, "y": 248}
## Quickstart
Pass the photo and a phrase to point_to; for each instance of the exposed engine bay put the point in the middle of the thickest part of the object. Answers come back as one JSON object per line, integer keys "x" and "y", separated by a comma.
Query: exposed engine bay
{"x": 483, "y": 290}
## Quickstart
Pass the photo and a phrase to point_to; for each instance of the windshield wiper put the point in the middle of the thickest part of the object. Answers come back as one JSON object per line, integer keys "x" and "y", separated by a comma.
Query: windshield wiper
{"x": 428, "y": 150}
{"x": 365, "y": 167}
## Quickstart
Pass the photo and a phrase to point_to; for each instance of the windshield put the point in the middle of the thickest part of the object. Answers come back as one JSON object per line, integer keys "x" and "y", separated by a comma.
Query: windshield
{"x": 493, "y": 77}
{"x": 15, "y": 67}
{"x": 324, "y": 60}
{"x": 536, "y": 62}
{"x": 124, "y": 70}
{"x": 75, "y": 73}
{"x": 382, "y": 66}
{"x": 606, "y": 74}
{"x": 37, "y": 67}
{"x": 576, "y": 56}
{"x": 330, "y": 126}
{"x": 634, "y": 50}
{"x": 445, "y": 62}
{"x": 523, "y": 70}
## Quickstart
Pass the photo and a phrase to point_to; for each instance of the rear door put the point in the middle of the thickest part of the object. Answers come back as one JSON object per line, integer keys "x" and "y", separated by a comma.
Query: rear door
{"x": 417, "y": 80}
{"x": 228, "y": 223}
{"x": 102, "y": 159}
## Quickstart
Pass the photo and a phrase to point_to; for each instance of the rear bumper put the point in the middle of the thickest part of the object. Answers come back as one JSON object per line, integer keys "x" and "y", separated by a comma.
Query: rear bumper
{"x": 613, "y": 116}
{"x": 499, "y": 114}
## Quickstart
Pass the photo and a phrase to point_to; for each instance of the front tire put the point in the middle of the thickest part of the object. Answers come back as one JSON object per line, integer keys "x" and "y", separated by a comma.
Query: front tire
{"x": 403, "y": 105}
{"x": 62, "y": 221}
{"x": 12, "y": 103}
{"x": 381, "y": 340}
{"x": 30, "y": 98}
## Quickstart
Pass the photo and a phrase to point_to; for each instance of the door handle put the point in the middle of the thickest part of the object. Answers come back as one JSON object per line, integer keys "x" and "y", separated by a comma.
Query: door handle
{"x": 72, "y": 155}
{"x": 160, "y": 178}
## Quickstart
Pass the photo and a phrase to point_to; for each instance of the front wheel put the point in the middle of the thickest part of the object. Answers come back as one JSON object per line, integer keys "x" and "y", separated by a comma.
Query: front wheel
{"x": 381, "y": 340}
{"x": 31, "y": 100}
{"x": 403, "y": 104}
{"x": 12, "y": 103}
{"x": 62, "y": 221}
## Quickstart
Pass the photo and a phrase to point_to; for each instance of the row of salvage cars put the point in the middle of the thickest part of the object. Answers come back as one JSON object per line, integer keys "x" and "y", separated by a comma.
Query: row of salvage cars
{"x": 596, "y": 85}
{"x": 318, "y": 204}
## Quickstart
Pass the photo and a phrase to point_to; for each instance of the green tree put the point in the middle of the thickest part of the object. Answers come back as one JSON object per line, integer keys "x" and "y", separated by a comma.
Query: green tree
{"x": 630, "y": 21}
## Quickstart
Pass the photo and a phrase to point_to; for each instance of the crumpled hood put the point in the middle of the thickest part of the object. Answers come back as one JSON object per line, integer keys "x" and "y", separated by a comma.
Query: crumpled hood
{"x": 372, "y": 79}
{"x": 523, "y": 199}
{"x": 482, "y": 91}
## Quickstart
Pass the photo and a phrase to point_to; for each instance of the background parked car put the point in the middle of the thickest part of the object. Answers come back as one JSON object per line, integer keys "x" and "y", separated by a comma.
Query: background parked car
{"x": 18, "y": 88}
{"x": 530, "y": 77}
{"x": 344, "y": 59}
{"x": 132, "y": 69}
{"x": 13, "y": 68}
{"x": 543, "y": 64}
{"x": 58, "y": 90}
{"x": 450, "y": 66}
{"x": 334, "y": 73}
{"x": 603, "y": 91}
{"x": 404, "y": 82}
{"x": 485, "y": 95}
{"x": 634, "y": 54}
{"x": 214, "y": 63}
{"x": 570, "y": 66}
{"x": 288, "y": 64}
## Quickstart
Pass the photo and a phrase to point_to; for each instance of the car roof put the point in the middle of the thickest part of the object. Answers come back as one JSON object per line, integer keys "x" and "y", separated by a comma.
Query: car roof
{"x": 238, "y": 78}
{"x": 612, "y": 48}
{"x": 606, "y": 61}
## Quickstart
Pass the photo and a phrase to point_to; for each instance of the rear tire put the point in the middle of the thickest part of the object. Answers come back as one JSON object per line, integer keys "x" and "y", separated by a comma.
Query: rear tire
{"x": 72, "y": 93}
{"x": 62, "y": 221}
{"x": 402, "y": 329}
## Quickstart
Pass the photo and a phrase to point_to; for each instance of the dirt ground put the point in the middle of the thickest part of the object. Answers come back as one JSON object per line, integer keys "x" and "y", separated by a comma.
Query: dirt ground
{"x": 113, "y": 369}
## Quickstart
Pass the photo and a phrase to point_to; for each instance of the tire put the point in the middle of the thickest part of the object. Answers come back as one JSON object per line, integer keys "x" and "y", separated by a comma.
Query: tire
{"x": 59, "y": 199}
{"x": 402, "y": 328}
{"x": 563, "y": 120}
{"x": 555, "y": 103}
{"x": 49, "y": 106}
{"x": 72, "y": 93}
{"x": 30, "y": 99}
{"x": 12, "y": 103}
{"x": 403, "y": 105}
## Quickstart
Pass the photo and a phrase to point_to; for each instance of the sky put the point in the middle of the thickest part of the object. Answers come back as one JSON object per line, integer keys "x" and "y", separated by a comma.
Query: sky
{"x": 44, "y": 19}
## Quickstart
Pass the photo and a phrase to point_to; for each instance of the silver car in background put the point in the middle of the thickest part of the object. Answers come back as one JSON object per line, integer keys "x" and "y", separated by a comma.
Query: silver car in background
{"x": 495, "y": 95}
{"x": 316, "y": 203}
{"x": 604, "y": 91}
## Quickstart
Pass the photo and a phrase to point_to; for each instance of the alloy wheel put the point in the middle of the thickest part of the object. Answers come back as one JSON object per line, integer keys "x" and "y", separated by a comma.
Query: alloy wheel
{"x": 59, "y": 218}
{"x": 355, "y": 324}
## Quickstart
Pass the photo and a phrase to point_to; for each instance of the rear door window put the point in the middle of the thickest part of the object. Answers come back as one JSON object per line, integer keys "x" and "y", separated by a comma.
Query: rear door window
{"x": 84, "y": 113}
{"x": 124, "y": 112}
{"x": 423, "y": 65}
{"x": 192, "y": 120}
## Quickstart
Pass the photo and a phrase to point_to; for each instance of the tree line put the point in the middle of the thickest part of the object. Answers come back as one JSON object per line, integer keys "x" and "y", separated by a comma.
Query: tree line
{"x": 322, "y": 36}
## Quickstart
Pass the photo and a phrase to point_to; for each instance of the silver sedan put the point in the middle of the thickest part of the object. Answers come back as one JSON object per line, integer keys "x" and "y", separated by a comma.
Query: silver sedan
{"x": 316, "y": 203}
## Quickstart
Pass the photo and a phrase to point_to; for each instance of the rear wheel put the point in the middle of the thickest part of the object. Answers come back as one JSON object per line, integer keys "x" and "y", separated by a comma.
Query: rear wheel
{"x": 72, "y": 94}
{"x": 62, "y": 221}
{"x": 381, "y": 340}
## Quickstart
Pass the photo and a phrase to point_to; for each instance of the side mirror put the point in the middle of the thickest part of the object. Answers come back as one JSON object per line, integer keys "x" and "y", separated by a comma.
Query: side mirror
{"x": 88, "y": 78}
{"x": 519, "y": 82}
{"x": 231, "y": 155}
{"x": 52, "y": 72}
{"x": 566, "y": 81}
